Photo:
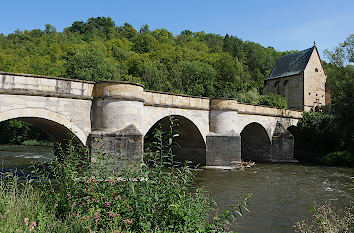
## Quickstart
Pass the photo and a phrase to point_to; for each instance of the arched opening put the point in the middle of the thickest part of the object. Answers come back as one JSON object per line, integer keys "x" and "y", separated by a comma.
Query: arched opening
{"x": 255, "y": 143}
{"x": 188, "y": 146}
{"x": 25, "y": 140}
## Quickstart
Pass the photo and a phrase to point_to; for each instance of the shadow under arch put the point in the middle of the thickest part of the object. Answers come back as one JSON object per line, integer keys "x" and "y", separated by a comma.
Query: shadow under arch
{"x": 294, "y": 130}
{"x": 57, "y": 133}
{"x": 255, "y": 143}
{"x": 53, "y": 124}
{"x": 190, "y": 142}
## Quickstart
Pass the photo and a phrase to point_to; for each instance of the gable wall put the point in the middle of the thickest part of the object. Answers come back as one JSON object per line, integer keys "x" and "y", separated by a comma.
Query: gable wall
{"x": 314, "y": 83}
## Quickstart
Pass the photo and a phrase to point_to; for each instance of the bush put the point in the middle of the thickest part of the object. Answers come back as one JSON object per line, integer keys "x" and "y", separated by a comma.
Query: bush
{"x": 273, "y": 101}
{"x": 251, "y": 97}
{"x": 320, "y": 134}
{"x": 341, "y": 158}
{"x": 76, "y": 195}
{"x": 23, "y": 210}
{"x": 327, "y": 220}
{"x": 37, "y": 143}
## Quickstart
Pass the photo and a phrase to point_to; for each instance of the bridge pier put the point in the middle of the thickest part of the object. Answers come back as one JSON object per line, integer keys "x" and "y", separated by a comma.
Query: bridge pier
{"x": 282, "y": 148}
{"x": 124, "y": 144}
{"x": 223, "y": 145}
{"x": 117, "y": 109}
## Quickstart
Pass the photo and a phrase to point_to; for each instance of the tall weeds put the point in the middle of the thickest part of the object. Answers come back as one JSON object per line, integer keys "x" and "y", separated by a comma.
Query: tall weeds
{"x": 75, "y": 195}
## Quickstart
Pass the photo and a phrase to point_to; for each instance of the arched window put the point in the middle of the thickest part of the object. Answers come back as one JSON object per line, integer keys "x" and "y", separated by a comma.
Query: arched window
{"x": 276, "y": 83}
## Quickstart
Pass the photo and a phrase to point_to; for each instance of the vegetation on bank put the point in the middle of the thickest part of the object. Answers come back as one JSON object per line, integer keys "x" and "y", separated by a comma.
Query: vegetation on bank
{"x": 329, "y": 134}
{"x": 22, "y": 133}
{"x": 328, "y": 220}
{"x": 76, "y": 194}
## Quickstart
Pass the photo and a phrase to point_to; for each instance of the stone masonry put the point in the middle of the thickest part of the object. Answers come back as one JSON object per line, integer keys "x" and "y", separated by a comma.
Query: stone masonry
{"x": 115, "y": 117}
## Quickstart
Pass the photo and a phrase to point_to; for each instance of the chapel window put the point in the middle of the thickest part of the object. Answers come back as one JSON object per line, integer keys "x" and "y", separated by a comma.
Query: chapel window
{"x": 276, "y": 83}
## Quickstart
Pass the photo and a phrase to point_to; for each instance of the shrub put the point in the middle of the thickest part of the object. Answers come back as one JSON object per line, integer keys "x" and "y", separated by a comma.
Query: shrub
{"x": 23, "y": 210}
{"x": 327, "y": 220}
{"x": 342, "y": 158}
{"x": 273, "y": 101}
{"x": 252, "y": 96}
{"x": 76, "y": 195}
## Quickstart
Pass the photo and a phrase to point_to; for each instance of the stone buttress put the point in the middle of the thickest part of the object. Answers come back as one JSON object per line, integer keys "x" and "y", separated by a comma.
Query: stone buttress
{"x": 223, "y": 144}
{"x": 117, "y": 111}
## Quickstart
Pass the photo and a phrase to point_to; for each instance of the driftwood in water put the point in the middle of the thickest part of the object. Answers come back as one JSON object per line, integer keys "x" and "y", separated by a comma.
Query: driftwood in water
{"x": 241, "y": 165}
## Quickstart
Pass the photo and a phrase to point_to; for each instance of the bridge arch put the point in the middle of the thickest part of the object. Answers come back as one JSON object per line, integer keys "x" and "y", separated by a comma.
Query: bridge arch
{"x": 199, "y": 118}
{"x": 255, "y": 143}
{"x": 52, "y": 123}
{"x": 190, "y": 145}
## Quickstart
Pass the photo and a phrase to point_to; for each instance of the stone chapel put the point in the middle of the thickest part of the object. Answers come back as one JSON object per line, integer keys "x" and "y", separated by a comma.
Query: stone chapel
{"x": 300, "y": 79}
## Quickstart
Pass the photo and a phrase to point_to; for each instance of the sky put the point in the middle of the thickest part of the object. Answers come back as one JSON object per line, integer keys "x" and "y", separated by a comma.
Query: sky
{"x": 282, "y": 24}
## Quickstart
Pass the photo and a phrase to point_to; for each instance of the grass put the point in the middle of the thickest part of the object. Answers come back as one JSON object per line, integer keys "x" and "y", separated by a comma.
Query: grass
{"x": 75, "y": 195}
{"x": 326, "y": 219}
{"x": 34, "y": 142}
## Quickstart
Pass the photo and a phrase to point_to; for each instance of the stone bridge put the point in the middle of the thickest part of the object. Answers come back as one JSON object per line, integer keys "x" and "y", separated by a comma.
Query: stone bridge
{"x": 117, "y": 115}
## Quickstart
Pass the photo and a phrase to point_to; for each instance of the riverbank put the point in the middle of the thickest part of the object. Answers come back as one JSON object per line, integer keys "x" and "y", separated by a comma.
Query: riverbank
{"x": 34, "y": 142}
{"x": 282, "y": 194}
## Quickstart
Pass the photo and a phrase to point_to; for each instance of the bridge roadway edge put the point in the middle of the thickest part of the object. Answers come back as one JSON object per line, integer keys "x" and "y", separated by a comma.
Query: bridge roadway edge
{"x": 121, "y": 113}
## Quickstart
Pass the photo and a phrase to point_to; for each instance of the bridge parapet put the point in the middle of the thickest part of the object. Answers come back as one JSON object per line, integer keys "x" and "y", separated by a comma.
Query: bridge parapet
{"x": 267, "y": 111}
{"x": 163, "y": 99}
{"x": 35, "y": 85}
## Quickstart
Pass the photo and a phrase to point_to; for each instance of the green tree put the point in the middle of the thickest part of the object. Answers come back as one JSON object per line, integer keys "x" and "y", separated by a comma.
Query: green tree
{"x": 194, "y": 78}
{"x": 91, "y": 65}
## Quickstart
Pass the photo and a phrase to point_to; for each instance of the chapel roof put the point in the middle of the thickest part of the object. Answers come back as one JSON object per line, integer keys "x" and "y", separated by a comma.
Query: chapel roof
{"x": 291, "y": 64}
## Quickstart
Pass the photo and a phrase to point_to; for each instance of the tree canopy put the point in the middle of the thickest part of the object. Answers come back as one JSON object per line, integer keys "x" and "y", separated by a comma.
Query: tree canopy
{"x": 194, "y": 63}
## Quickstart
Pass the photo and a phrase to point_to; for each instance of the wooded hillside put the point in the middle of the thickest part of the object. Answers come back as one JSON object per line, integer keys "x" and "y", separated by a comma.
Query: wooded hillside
{"x": 194, "y": 63}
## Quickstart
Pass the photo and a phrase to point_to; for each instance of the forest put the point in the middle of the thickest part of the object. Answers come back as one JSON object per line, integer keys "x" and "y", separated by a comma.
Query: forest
{"x": 193, "y": 63}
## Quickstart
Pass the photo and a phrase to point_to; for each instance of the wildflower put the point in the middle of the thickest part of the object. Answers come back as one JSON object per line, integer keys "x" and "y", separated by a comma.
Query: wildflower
{"x": 84, "y": 218}
{"x": 97, "y": 215}
{"x": 128, "y": 221}
{"x": 31, "y": 228}
{"x": 107, "y": 203}
{"x": 111, "y": 181}
{"x": 34, "y": 224}
{"x": 73, "y": 205}
{"x": 26, "y": 221}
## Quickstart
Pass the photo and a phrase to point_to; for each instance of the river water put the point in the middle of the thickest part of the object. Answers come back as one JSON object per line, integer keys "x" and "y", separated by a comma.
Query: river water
{"x": 281, "y": 193}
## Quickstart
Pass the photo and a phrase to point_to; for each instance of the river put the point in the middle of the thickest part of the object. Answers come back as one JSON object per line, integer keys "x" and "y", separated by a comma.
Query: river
{"x": 281, "y": 193}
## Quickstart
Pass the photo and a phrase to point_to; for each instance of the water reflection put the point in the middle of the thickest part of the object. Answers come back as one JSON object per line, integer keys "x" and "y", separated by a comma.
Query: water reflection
{"x": 20, "y": 156}
{"x": 282, "y": 193}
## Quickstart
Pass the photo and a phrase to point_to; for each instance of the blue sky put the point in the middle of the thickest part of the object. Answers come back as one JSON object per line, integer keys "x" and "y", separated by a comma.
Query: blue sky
{"x": 282, "y": 24}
